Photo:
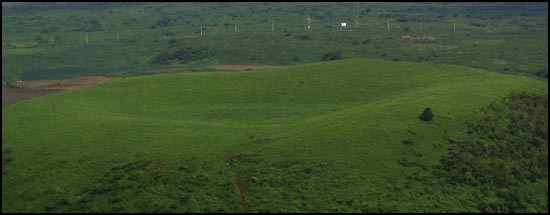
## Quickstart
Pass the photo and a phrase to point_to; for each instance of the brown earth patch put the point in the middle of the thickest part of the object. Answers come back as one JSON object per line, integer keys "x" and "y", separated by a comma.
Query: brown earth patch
{"x": 30, "y": 89}
{"x": 66, "y": 84}
{"x": 17, "y": 95}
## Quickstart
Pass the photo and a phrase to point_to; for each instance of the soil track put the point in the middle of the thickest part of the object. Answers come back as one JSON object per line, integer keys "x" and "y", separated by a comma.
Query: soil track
{"x": 31, "y": 89}
{"x": 17, "y": 95}
{"x": 66, "y": 84}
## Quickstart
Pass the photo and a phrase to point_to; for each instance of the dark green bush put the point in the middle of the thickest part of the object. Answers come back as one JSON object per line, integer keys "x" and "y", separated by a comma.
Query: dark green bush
{"x": 303, "y": 37}
{"x": 427, "y": 115}
{"x": 331, "y": 56}
{"x": 184, "y": 55}
{"x": 542, "y": 73}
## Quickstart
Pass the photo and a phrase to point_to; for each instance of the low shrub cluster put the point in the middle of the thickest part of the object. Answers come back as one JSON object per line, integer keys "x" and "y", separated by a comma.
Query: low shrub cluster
{"x": 505, "y": 150}
{"x": 183, "y": 55}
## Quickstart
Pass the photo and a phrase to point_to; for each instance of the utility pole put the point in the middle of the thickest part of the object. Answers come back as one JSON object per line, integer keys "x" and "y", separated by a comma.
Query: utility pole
{"x": 454, "y": 25}
{"x": 388, "y": 25}
{"x": 308, "y": 22}
{"x": 117, "y": 37}
{"x": 357, "y": 15}
{"x": 201, "y": 30}
{"x": 235, "y": 26}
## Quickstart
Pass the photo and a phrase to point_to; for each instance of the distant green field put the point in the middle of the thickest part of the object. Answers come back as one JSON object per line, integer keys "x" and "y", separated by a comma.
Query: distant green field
{"x": 314, "y": 137}
{"x": 48, "y": 41}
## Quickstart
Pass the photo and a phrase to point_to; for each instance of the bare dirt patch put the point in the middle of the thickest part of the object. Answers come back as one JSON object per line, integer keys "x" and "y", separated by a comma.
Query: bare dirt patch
{"x": 30, "y": 89}
{"x": 18, "y": 95}
{"x": 66, "y": 84}
{"x": 243, "y": 67}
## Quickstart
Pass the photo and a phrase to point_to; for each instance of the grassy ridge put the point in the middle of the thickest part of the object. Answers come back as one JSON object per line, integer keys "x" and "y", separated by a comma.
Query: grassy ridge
{"x": 314, "y": 137}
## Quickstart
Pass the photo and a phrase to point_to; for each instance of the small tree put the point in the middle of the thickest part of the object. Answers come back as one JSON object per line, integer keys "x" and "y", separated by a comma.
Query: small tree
{"x": 427, "y": 115}
{"x": 332, "y": 56}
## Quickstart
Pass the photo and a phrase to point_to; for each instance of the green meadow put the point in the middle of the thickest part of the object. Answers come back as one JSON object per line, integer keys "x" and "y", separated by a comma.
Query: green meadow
{"x": 338, "y": 136}
{"x": 336, "y": 128}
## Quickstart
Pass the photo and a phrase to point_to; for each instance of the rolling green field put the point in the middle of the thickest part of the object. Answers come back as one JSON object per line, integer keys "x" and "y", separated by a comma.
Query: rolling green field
{"x": 52, "y": 41}
{"x": 339, "y": 136}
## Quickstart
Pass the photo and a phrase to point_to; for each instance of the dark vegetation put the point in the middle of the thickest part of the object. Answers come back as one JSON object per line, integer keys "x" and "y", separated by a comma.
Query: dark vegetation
{"x": 109, "y": 191}
{"x": 188, "y": 185}
{"x": 6, "y": 157}
{"x": 504, "y": 153}
{"x": 332, "y": 56}
{"x": 129, "y": 32}
{"x": 427, "y": 115}
{"x": 407, "y": 142}
{"x": 183, "y": 55}
{"x": 303, "y": 37}
{"x": 542, "y": 73}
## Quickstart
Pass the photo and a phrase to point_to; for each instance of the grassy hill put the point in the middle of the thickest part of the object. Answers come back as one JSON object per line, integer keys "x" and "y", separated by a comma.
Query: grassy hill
{"x": 314, "y": 137}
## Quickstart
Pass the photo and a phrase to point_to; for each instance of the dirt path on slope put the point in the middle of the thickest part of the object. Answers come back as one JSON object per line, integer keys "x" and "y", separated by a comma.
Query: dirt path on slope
{"x": 64, "y": 84}
{"x": 30, "y": 89}
{"x": 17, "y": 95}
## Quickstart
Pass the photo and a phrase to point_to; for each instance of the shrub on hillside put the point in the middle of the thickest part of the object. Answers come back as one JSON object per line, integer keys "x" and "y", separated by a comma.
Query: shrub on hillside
{"x": 427, "y": 115}
{"x": 367, "y": 41}
{"x": 303, "y": 37}
{"x": 542, "y": 73}
{"x": 331, "y": 56}
{"x": 183, "y": 55}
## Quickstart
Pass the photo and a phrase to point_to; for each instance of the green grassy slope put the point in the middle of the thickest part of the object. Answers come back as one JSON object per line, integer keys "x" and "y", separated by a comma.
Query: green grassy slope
{"x": 314, "y": 137}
